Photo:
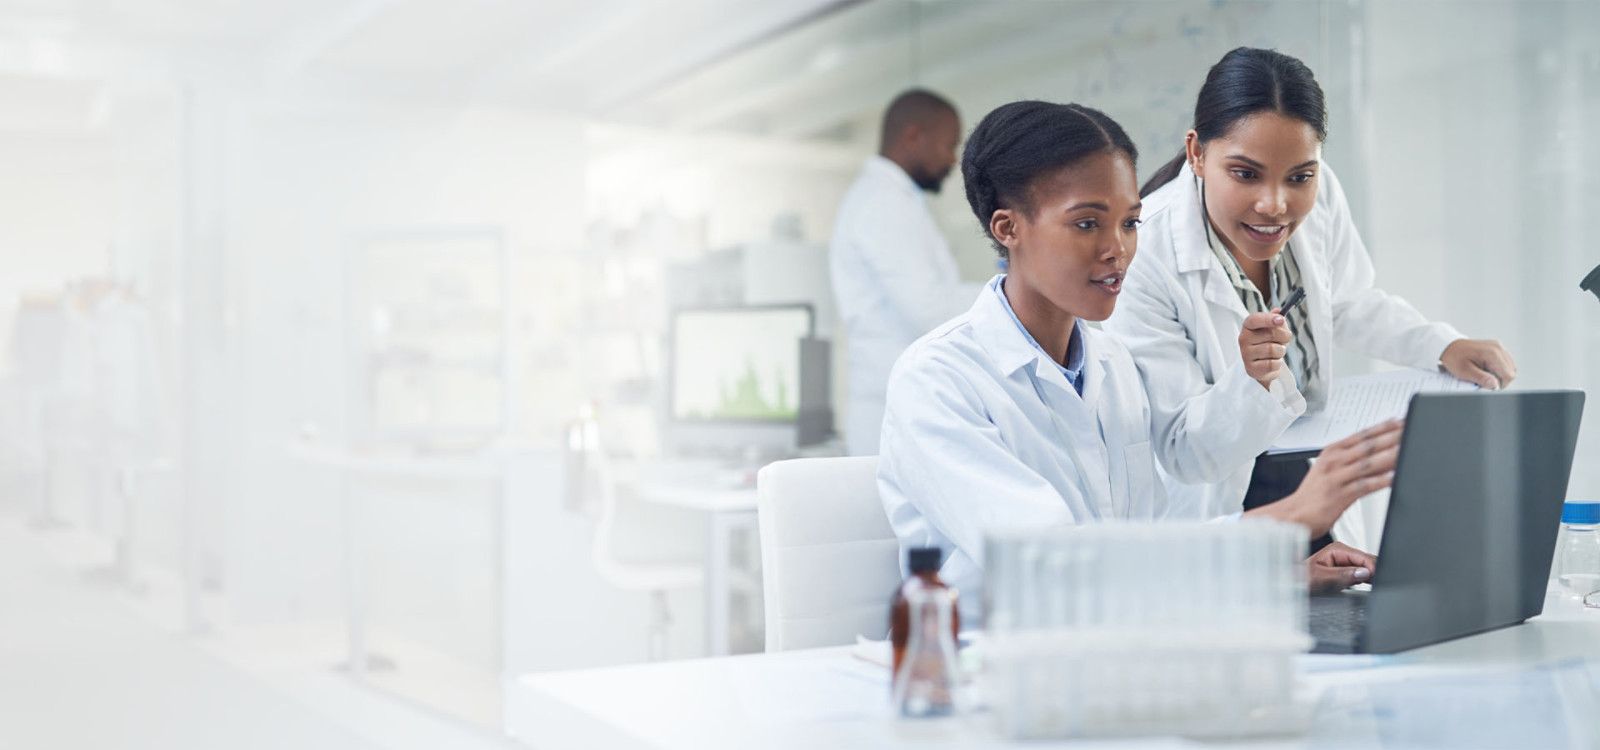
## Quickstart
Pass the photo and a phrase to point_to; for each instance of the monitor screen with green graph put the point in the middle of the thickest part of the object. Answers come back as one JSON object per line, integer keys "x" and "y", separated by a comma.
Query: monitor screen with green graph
{"x": 738, "y": 364}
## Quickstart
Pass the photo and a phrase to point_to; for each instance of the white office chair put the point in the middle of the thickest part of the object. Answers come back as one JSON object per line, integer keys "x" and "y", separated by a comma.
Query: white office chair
{"x": 829, "y": 560}
{"x": 655, "y": 579}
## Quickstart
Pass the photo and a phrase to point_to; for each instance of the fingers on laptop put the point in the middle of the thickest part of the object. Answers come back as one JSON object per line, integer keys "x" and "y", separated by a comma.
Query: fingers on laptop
{"x": 1364, "y": 463}
{"x": 1343, "y": 555}
{"x": 1339, "y": 566}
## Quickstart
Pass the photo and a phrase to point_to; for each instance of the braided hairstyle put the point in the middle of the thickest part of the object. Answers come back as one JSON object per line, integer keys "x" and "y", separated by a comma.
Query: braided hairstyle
{"x": 1018, "y": 142}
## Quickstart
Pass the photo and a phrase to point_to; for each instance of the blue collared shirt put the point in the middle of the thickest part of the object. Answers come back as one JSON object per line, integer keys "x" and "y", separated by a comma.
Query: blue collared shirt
{"x": 1075, "y": 350}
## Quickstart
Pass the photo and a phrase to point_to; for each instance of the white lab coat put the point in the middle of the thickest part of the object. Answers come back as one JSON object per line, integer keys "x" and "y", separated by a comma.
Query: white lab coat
{"x": 894, "y": 279}
{"x": 1181, "y": 317}
{"x": 970, "y": 442}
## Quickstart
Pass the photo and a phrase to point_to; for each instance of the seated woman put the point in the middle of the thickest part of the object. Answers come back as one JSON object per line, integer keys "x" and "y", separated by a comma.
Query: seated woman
{"x": 1016, "y": 413}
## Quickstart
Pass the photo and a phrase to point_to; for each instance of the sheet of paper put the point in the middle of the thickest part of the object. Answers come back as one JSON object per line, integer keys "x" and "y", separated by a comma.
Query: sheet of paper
{"x": 1357, "y": 403}
{"x": 810, "y": 691}
{"x": 873, "y": 652}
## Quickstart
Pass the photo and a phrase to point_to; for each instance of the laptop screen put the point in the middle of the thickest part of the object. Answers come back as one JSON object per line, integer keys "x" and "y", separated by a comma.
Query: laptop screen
{"x": 1473, "y": 515}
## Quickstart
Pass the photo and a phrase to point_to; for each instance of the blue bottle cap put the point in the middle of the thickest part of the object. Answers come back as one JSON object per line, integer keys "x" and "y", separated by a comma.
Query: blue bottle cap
{"x": 1581, "y": 513}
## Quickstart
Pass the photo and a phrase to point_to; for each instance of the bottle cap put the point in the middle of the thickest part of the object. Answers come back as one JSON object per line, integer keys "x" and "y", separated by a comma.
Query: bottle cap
{"x": 923, "y": 559}
{"x": 1580, "y": 513}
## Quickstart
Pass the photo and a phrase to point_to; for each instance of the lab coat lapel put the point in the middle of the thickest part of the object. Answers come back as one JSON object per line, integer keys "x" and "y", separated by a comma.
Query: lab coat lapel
{"x": 1079, "y": 421}
{"x": 1194, "y": 256}
{"x": 1061, "y": 393}
{"x": 1094, "y": 377}
{"x": 1096, "y": 384}
{"x": 1218, "y": 291}
{"x": 1223, "y": 314}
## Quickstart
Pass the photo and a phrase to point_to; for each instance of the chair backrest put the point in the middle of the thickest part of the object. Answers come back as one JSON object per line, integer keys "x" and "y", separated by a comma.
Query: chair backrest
{"x": 829, "y": 560}
{"x": 628, "y": 575}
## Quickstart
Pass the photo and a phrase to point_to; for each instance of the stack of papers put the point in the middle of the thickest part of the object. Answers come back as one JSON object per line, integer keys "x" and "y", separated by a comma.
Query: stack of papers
{"x": 1357, "y": 403}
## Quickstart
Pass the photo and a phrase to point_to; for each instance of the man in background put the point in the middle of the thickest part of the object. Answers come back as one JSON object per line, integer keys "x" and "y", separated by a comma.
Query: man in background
{"x": 893, "y": 275}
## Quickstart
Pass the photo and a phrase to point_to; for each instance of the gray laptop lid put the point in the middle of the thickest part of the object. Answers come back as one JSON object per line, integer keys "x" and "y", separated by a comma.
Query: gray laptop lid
{"x": 1473, "y": 515}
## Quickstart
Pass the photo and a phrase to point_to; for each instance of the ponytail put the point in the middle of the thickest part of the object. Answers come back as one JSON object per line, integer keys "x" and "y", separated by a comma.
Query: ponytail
{"x": 1167, "y": 173}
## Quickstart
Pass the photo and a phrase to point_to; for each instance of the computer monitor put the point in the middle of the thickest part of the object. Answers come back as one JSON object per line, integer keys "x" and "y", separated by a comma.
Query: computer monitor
{"x": 740, "y": 381}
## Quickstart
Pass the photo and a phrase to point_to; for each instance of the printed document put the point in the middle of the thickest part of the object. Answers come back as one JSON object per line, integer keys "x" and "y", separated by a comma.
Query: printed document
{"x": 1357, "y": 403}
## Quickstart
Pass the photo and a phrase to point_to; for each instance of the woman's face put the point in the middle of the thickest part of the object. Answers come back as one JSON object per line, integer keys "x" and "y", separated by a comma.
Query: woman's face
{"x": 1075, "y": 248}
{"x": 1260, "y": 181}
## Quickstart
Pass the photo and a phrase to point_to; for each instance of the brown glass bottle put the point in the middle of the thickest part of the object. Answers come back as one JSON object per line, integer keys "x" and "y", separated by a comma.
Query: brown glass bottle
{"x": 924, "y": 564}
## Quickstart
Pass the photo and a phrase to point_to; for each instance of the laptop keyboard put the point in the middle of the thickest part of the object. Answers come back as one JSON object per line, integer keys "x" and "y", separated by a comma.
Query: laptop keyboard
{"x": 1337, "y": 624}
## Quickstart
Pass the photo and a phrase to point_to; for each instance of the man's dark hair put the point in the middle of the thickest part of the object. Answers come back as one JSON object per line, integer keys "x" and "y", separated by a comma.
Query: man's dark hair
{"x": 914, "y": 106}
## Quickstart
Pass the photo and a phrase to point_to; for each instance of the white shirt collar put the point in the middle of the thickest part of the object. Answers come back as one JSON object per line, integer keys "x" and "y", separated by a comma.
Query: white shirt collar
{"x": 888, "y": 170}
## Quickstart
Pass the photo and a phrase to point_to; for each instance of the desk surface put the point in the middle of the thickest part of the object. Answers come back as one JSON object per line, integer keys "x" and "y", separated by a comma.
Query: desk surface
{"x": 693, "y": 485}
{"x": 709, "y": 499}
{"x": 1534, "y": 685}
{"x": 398, "y": 463}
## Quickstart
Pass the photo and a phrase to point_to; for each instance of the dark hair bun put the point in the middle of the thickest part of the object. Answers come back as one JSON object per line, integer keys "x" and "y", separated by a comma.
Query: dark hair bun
{"x": 1018, "y": 142}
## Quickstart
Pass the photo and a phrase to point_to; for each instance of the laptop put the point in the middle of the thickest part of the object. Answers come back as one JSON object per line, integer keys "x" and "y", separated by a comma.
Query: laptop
{"x": 1473, "y": 516}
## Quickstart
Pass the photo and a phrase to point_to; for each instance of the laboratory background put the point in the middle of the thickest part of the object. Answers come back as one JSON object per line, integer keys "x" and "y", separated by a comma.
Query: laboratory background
{"x": 361, "y": 357}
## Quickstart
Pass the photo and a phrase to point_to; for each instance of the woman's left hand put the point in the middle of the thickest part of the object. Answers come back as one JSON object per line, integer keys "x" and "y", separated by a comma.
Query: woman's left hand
{"x": 1337, "y": 567}
{"x": 1486, "y": 363}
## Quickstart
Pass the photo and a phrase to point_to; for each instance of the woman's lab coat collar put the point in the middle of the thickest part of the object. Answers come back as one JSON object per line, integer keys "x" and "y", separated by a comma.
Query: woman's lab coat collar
{"x": 1011, "y": 349}
{"x": 1191, "y": 249}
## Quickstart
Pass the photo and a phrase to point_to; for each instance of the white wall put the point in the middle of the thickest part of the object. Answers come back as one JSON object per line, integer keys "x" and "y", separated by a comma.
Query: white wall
{"x": 57, "y": 203}
{"x": 1481, "y": 182}
{"x": 302, "y": 180}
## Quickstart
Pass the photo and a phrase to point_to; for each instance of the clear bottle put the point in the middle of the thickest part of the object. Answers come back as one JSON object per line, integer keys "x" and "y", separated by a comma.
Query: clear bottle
{"x": 923, "y": 563}
{"x": 1578, "y": 550}
{"x": 926, "y": 681}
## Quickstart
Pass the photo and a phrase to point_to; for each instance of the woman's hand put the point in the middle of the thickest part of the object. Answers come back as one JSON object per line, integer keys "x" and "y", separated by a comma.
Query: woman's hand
{"x": 1262, "y": 343}
{"x": 1486, "y": 363}
{"x": 1337, "y": 567}
{"x": 1345, "y": 472}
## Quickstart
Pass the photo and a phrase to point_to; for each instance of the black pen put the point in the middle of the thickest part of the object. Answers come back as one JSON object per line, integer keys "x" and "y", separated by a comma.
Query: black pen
{"x": 1295, "y": 297}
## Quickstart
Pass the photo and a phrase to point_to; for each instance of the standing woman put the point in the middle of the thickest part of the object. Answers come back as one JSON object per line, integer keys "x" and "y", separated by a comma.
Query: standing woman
{"x": 1246, "y": 214}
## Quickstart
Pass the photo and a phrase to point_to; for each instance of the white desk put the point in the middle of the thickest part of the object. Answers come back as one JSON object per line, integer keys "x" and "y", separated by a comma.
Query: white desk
{"x": 1516, "y": 687}
{"x": 727, "y": 510}
{"x": 349, "y": 462}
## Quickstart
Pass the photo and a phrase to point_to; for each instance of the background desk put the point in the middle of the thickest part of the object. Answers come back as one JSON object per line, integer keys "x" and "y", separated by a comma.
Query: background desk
{"x": 358, "y": 463}
{"x": 1516, "y": 687}
{"x": 728, "y": 508}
